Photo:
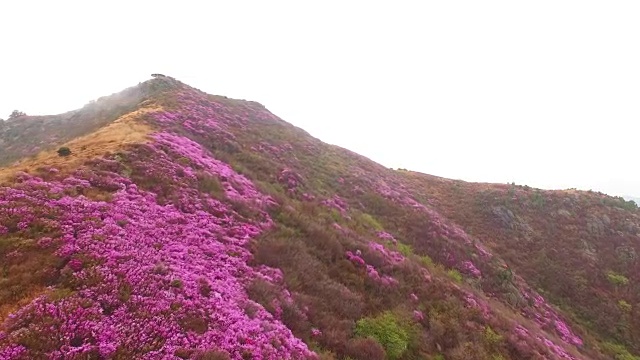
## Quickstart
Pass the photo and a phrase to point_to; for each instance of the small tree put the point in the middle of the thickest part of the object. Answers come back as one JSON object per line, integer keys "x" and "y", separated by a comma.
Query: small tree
{"x": 64, "y": 151}
{"x": 617, "y": 279}
{"x": 387, "y": 330}
{"x": 16, "y": 114}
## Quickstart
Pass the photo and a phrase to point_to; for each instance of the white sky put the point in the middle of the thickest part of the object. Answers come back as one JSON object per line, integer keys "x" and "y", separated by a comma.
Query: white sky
{"x": 545, "y": 93}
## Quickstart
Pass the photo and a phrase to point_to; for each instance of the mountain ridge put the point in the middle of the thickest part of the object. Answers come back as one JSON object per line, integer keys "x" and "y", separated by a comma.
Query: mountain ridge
{"x": 337, "y": 245}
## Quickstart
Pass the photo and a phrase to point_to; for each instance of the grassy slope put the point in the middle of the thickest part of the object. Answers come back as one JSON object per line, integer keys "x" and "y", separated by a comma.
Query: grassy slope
{"x": 332, "y": 201}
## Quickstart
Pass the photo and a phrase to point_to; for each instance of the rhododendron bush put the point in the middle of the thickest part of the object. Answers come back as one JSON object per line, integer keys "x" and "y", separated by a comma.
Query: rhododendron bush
{"x": 148, "y": 280}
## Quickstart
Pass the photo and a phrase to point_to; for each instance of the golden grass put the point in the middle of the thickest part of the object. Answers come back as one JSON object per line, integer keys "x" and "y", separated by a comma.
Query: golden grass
{"x": 6, "y": 309}
{"x": 128, "y": 129}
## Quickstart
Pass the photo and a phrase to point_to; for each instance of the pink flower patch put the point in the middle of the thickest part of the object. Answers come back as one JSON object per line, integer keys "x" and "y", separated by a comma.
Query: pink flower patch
{"x": 75, "y": 265}
{"x": 469, "y": 268}
{"x": 355, "y": 259}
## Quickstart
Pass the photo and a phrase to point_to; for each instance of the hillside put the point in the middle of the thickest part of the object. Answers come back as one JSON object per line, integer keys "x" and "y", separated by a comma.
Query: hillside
{"x": 191, "y": 226}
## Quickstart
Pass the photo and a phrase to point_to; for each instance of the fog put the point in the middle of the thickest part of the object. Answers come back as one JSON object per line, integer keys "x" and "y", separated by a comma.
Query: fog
{"x": 544, "y": 94}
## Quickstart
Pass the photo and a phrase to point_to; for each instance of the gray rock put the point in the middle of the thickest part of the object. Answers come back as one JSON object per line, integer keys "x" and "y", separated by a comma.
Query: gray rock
{"x": 595, "y": 225}
{"x": 627, "y": 254}
{"x": 504, "y": 215}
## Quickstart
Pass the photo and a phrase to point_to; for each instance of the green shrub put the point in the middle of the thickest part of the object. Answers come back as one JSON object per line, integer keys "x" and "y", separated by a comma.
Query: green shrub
{"x": 491, "y": 338}
{"x": 621, "y": 202}
{"x": 370, "y": 222}
{"x": 537, "y": 199}
{"x": 404, "y": 249}
{"x": 64, "y": 151}
{"x": 504, "y": 276}
{"x": 455, "y": 275}
{"x": 625, "y": 306}
{"x": 619, "y": 351}
{"x": 387, "y": 330}
{"x": 426, "y": 260}
{"x": 336, "y": 216}
{"x": 617, "y": 279}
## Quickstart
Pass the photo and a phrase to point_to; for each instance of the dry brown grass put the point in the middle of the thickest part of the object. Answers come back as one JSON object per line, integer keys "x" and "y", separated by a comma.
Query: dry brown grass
{"x": 6, "y": 309}
{"x": 128, "y": 129}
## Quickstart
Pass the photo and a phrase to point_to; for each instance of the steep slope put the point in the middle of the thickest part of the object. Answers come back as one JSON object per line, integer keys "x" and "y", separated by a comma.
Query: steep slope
{"x": 199, "y": 227}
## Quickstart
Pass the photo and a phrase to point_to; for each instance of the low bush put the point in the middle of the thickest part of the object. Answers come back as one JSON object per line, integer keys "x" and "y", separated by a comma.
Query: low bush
{"x": 64, "y": 151}
{"x": 387, "y": 330}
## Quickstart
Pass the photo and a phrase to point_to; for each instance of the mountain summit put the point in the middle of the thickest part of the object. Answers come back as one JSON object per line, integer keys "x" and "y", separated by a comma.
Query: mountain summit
{"x": 162, "y": 222}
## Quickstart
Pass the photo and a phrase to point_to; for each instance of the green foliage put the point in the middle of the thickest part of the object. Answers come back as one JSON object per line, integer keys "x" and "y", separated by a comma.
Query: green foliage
{"x": 336, "y": 216}
{"x": 455, "y": 275}
{"x": 387, "y": 330}
{"x": 537, "y": 199}
{"x": 505, "y": 276}
{"x": 371, "y": 222}
{"x": 628, "y": 205}
{"x": 620, "y": 202}
{"x": 426, "y": 260}
{"x": 491, "y": 338}
{"x": 404, "y": 249}
{"x": 617, "y": 279}
{"x": 64, "y": 151}
{"x": 619, "y": 351}
{"x": 625, "y": 306}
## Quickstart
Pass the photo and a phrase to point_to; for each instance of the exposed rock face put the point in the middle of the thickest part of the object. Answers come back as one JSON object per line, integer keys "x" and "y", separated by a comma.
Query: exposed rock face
{"x": 627, "y": 254}
{"x": 598, "y": 225}
{"x": 510, "y": 220}
{"x": 506, "y": 216}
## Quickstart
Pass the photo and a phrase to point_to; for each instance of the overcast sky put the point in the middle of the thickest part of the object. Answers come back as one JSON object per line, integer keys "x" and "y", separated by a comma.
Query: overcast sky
{"x": 544, "y": 93}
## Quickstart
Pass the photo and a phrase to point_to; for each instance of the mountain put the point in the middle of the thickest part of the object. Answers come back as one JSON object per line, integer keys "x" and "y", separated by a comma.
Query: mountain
{"x": 164, "y": 222}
